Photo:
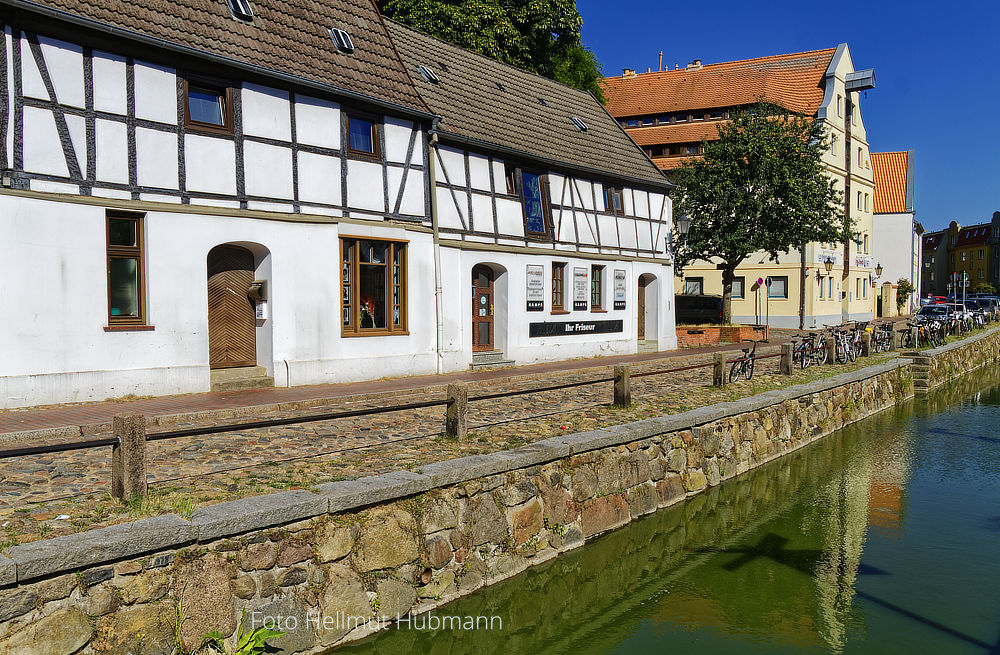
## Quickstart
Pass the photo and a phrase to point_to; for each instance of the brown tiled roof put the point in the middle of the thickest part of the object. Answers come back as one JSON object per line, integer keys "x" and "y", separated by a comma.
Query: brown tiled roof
{"x": 289, "y": 37}
{"x": 973, "y": 235}
{"x": 932, "y": 240}
{"x": 792, "y": 81}
{"x": 889, "y": 169}
{"x": 473, "y": 108}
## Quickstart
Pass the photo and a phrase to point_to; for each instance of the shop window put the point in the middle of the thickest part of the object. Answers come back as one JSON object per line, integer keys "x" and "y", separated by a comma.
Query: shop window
{"x": 596, "y": 288}
{"x": 208, "y": 106}
{"x": 362, "y": 136}
{"x": 373, "y": 286}
{"x": 558, "y": 286}
{"x": 126, "y": 269}
{"x": 779, "y": 287}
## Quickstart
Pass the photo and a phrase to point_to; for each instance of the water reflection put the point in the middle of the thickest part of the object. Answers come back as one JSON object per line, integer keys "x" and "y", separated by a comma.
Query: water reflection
{"x": 881, "y": 539}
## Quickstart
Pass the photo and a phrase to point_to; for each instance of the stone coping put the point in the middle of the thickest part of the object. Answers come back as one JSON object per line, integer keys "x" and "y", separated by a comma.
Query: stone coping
{"x": 128, "y": 540}
{"x": 955, "y": 345}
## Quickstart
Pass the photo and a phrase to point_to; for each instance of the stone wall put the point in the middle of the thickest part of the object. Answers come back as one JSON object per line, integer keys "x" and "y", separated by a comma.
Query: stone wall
{"x": 333, "y": 561}
{"x": 948, "y": 362}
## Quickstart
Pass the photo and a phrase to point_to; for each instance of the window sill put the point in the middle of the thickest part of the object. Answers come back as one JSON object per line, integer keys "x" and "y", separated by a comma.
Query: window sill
{"x": 394, "y": 333}
{"x": 129, "y": 328}
{"x": 559, "y": 312}
{"x": 598, "y": 311}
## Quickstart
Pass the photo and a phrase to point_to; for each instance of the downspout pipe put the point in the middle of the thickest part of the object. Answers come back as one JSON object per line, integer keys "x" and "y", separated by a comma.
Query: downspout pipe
{"x": 438, "y": 287}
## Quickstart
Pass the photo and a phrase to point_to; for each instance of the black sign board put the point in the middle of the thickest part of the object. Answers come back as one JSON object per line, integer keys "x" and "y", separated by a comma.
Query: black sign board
{"x": 573, "y": 327}
{"x": 535, "y": 305}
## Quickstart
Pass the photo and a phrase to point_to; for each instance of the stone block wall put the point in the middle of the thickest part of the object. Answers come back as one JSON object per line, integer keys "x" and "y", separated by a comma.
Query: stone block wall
{"x": 948, "y": 362}
{"x": 334, "y": 564}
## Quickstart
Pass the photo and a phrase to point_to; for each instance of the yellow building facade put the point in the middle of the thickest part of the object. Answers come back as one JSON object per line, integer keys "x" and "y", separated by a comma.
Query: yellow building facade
{"x": 669, "y": 113}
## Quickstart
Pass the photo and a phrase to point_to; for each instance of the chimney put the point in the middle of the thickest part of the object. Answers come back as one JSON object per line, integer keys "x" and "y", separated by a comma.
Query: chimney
{"x": 628, "y": 72}
{"x": 694, "y": 65}
{"x": 677, "y": 66}
{"x": 660, "y": 67}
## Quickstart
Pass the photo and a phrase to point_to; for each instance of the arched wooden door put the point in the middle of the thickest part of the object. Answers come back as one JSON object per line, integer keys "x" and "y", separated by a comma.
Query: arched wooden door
{"x": 482, "y": 308}
{"x": 232, "y": 327}
{"x": 640, "y": 308}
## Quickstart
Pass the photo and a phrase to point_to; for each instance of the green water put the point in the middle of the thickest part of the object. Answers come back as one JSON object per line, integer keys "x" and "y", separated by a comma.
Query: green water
{"x": 884, "y": 538}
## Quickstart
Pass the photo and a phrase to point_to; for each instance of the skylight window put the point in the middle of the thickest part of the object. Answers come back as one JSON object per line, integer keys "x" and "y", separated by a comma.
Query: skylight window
{"x": 241, "y": 9}
{"x": 342, "y": 39}
{"x": 428, "y": 74}
{"x": 580, "y": 125}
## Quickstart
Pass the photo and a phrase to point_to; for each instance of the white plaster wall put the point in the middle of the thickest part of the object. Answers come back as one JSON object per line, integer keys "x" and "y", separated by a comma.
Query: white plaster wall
{"x": 156, "y": 158}
{"x": 397, "y": 139}
{"x": 155, "y": 93}
{"x": 364, "y": 186}
{"x": 319, "y": 178}
{"x": 57, "y": 315}
{"x": 266, "y": 112}
{"x": 109, "y": 83}
{"x": 43, "y": 151}
{"x": 112, "y": 150}
{"x": 64, "y": 62}
{"x": 317, "y": 122}
{"x": 413, "y": 194}
{"x": 31, "y": 80}
{"x": 451, "y": 164}
{"x": 210, "y": 164}
{"x": 268, "y": 170}
{"x": 9, "y": 90}
{"x": 479, "y": 172}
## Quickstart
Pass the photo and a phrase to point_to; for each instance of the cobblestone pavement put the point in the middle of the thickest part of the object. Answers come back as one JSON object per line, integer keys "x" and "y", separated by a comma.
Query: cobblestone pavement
{"x": 191, "y": 471}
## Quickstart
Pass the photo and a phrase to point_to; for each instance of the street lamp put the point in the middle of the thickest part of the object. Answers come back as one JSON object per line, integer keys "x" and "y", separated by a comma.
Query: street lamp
{"x": 683, "y": 226}
{"x": 828, "y": 264}
{"x": 878, "y": 270}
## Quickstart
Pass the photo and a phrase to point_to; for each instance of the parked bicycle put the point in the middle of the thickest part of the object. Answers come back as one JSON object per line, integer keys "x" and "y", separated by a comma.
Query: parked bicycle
{"x": 744, "y": 365}
{"x": 811, "y": 350}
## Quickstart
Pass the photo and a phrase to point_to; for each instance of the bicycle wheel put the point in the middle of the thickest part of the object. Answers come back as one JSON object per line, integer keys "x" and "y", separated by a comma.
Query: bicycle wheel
{"x": 804, "y": 358}
{"x": 823, "y": 354}
{"x": 841, "y": 352}
{"x": 736, "y": 370}
{"x": 852, "y": 351}
{"x": 748, "y": 369}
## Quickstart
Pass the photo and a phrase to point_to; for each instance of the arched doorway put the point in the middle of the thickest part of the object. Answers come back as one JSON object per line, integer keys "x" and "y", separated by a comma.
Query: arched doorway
{"x": 483, "y": 301}
{"x": 232, "y": 338}
{"x": 645, "y": 313}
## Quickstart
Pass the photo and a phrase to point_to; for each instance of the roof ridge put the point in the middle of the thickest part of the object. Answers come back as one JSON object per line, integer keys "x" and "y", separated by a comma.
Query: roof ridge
{"x": 724, "y": 63}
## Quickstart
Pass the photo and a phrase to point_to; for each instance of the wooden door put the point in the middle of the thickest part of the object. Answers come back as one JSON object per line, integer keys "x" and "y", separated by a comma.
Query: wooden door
{"x": 640, "y": 308}
{"x": 482, "y": 308}
{"x": 232, "y": 326}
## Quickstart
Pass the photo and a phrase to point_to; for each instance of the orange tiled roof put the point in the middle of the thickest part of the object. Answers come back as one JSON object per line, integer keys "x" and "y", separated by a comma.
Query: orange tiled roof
{"x": 666, "y": 134}
{"x": 890, "y": 182}
{"x": 792, "y": 81}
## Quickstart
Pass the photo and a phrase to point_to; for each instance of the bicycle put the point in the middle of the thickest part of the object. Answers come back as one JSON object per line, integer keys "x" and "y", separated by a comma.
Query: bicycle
{"x": 744, "y": 365}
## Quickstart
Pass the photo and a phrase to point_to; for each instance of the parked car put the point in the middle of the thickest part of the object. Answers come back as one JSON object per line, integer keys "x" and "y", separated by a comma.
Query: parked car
{"x": 698, "y": 309}
{"x": 933, "y": 312}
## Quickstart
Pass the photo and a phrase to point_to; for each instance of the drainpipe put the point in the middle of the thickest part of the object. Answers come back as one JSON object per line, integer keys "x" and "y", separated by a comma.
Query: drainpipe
{"x": 438, "y": 289}
{"x": 802, "y": 287}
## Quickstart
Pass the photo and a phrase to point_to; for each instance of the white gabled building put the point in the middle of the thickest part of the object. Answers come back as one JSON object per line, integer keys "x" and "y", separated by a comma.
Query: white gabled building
{"x": 193, "y": 196}
{"x": 553, "y": 227}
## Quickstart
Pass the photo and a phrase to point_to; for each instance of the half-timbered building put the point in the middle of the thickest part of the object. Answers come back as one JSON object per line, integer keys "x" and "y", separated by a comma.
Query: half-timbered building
{"x": 211, "y": 194}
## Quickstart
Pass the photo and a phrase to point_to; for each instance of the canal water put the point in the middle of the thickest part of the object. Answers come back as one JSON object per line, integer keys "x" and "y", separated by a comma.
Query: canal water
{"x": 884, "y": 538}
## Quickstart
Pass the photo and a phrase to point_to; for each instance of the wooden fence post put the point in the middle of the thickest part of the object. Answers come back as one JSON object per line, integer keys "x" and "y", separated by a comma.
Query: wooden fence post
{"x": 623, "y": 386}
{"x": 785, "y": 363}
{"x": 719, "y": 370}
{"x": 128, "y": 457}
{"x": 456, "y": 424}
{"x": 866, "y": 344}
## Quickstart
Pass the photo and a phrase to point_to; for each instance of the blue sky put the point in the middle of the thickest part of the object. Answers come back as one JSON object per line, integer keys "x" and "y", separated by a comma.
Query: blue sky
{"x": 937, "y": 69}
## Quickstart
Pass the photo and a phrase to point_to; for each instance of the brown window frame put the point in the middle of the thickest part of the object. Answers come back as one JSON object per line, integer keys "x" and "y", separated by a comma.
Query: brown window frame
{"x": 376, "y": 152}
{"x": 127, "y": 252}
{"x": 224, "y": 90}
{"x": 609, "y": 195}
{"x": 352, "y": 304}
{"x": 559, "y": 287}
{"x": 596, "y": 288}
{"x": 543, "y": 192}
{"x": 510, "y": 178}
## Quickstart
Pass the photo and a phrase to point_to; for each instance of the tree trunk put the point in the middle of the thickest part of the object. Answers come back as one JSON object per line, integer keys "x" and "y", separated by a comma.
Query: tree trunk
{"x": 728, "y": 274}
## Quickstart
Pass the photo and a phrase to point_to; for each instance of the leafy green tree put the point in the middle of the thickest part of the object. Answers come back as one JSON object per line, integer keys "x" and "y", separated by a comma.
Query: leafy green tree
{"x": 985, "y": 287}
{"x": 903, "y": 292}
{"x": 542, "y": 36}
{"x": 760, "y": 187}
